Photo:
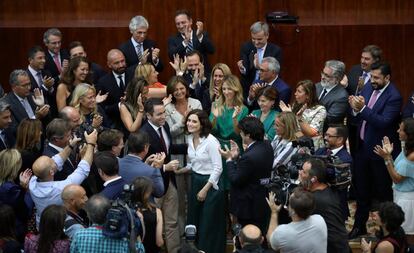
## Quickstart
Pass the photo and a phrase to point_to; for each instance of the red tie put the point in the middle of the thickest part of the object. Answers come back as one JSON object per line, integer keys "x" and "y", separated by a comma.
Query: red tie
{"x": 56, "y": 60}
{"x": 371, "y": 103}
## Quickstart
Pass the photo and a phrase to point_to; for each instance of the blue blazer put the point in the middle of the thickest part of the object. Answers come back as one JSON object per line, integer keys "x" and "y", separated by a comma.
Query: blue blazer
{"x": 114, "y": 189}
{"x": 131, "y": 167}
{"x": 284, "y": 93}
{"x": 382, "y": 120}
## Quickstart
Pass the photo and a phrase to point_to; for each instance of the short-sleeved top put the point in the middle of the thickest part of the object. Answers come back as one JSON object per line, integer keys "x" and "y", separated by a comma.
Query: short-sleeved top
{"x": 405, "y": 168}
{"x": 305, "y": 236}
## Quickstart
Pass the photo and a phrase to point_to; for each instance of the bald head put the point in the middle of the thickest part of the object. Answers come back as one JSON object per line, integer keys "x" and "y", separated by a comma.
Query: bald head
{"x": 74, "y": 197}
{"x": 44, "y": 168}
{"x": 71, "y": 115}
{"x": 116, "y": 61}
{"x": 250, "y": 234}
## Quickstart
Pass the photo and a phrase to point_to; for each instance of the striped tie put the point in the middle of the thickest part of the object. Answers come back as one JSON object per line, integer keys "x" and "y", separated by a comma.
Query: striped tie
{"x": 139, "y": 52}
{"x": 189, "y": 46}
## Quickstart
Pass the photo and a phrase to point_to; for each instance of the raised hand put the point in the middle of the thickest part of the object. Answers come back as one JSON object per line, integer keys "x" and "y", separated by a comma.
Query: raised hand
{"x": 285, "y": 107}
{"x": 155, "y": 54}
{"x": 272, "y": 204}
{"x": 176, "y": 63}
{"x": 97, "y": 120}
{"x": 386, "y": 149}
{"x": 301, "y": 110}
{"x": 200, "y": 26}
{"x": 100, "y": 98}
{"x": 144, "y": 57}
{"x": 237, "y": 110}
{"x": 24, "y": 178}
{"x": 167, "y": 100}
{"x": 241, "y": 67}
{"x": 38, "y": 97}
{"x": 48, "y": 81}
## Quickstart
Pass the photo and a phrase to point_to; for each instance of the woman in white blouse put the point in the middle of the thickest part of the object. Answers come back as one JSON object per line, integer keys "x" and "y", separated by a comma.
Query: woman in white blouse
{"x": 206, "y": 198}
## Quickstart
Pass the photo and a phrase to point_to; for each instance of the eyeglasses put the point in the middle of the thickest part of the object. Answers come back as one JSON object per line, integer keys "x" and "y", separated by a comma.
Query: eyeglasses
{"x": 27, "y": 85}
{"x": 324, "y": 75}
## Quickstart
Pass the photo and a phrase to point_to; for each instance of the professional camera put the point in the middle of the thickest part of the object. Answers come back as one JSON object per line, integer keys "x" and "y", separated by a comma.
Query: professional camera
{"x": 122, "y": 222}
{"x": 188, "y": 246}
{"x": 338, "y": 172}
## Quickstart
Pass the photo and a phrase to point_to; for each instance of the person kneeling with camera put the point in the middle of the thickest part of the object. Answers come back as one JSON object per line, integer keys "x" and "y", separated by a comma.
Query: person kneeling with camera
{"x": 306, "y": 233}
{"x": 313, "y": 177}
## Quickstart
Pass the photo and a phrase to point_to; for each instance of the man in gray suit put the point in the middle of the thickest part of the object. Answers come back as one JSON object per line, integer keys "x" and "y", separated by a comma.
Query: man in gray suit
{"x": 331, "y": 94}
{"x": 132, "y": 165}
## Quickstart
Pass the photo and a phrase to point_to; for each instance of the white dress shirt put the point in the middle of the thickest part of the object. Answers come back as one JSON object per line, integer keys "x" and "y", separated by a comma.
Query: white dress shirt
{"x": 205, "y": 159}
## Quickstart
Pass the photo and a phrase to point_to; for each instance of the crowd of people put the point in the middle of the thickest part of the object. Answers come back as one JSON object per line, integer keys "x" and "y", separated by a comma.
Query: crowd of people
{"x": 199, "y": 149}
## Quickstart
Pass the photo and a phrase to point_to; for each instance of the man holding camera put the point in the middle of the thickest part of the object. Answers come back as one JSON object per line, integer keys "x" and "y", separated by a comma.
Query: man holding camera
{"x": 247, "y": 195}
{"x": 313, "y": 177}
{"x": 306, "y": 233}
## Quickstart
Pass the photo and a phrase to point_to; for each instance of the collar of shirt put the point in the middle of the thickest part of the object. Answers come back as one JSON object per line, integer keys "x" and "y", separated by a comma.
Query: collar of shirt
{"x": 248, "y": 146}
{"x": 329, "y": 89}
{"x": 59, "y": 149}
{"x": 368, "y": 77}
{"x": 116, "y": 77}
{"x": 53, "y": 54}
{"x": 264, "y": 48}
{"x": 382, "y": 90}
{"x": 272, "y": 82}
{"x": 20, "y": 98}
{"x": 155, "y": 127}
{"x": 33, "y": 72}
{"x": 191, "y": 143}
{"x": 336, "y": 150}
{"x": 135, "y": 44}
{"x": 135, "y": 156}
{"x": 111, "y": 180}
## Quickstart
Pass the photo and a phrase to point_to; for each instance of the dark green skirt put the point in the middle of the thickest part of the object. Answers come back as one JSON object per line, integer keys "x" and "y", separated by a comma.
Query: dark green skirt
{"x": 208, "y": 216}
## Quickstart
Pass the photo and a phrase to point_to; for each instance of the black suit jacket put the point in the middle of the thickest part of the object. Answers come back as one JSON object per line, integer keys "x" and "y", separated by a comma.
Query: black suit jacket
{"x": 68, "y": 166}
{"x": 18, "y": 112}
{"x": 108, "y": 84}
{"x": 97, "y": 72}
{"x": 50, "y": 96}
{"x": 155, "y": 147}
{"x": 51, "y": 66}
{"x": 247, "y": 52}
{"x": 175, "y": 46}
{"x": 131, "y": 56}
{"x": 247, "y": 195}
{"x": 336, "y": 104}
{"x": 9, "y": 139}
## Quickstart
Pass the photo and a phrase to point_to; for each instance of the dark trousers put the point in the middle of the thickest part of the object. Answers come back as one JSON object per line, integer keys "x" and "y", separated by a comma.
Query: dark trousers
{"x": 372, "y": 184}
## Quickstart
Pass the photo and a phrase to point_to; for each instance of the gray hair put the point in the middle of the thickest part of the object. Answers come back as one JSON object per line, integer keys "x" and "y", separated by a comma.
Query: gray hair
{"x": 14, "y": 75}
{"x": 4, "y": 105}
{"x": 338, "y": 68}
{"x": 97, "y": 207}
{"x": 375, "y": 52}
{"x": 51, "y": 31}
{"x": 273, "y": 64}
{"x": 260, "y": 26}
{"x": 136, "y": 22}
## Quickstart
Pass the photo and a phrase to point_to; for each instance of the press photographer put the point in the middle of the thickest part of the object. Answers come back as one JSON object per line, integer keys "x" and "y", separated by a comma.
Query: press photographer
{"x": 251, "y": 240}
{"x": 313, "y": 177}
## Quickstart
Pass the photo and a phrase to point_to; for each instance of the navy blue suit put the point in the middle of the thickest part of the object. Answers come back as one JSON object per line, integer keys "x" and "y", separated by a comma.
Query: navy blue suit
{"x": 9, "y": 140}
{"x": 408, "y": 111}
{"x": 114, "y": 189}
{"x": 131, "y": 167}
{"x": 372, "y": 181}
{"x": 343, "y": 194}
{"x": 247, "y": 196}
{"x": 247, "y": 52}
{"x": 131, "y": 56}
{"x": 283, "y": 90}
{"x": 156, "y": 147}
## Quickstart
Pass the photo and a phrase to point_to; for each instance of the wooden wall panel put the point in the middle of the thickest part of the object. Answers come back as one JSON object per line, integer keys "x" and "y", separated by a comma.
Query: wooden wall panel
{"x": 327, "y": 30}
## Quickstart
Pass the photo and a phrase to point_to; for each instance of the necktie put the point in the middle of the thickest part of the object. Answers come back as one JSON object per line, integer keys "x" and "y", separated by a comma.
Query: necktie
{"x": 163, "y": 146}
{"x": 3, "y": 139}
{"x": 323, "y": 94}
{"x": 189, "y": 46}
{"x": 328, "y": 152}
{"x": 361, "y": 82}
{"x": 371, "y": 103}
{"x": 121, "y": 83}
{"x": 259, "y": 60}
{"x": 28, "y": 108}
{"x": 57, "y": 62}
{"x": 139, "y": 52}
{"x": 39, "y": 79}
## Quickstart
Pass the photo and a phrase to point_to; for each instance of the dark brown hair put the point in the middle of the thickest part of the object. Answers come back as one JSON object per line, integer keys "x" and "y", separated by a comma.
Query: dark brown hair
{"x": 172, "y": 84}
{"x": 204, "y": 122}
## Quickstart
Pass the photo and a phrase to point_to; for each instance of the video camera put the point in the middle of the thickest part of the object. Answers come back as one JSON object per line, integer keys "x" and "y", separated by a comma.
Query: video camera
{"x": 122, "y": 222}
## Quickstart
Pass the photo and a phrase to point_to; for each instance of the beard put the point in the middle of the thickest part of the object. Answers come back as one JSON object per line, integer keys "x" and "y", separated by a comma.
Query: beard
{"x": 327, "y": 85}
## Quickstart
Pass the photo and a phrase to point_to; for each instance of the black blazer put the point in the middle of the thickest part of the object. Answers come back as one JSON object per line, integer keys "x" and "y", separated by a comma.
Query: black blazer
{"x": 97, "y": 72}
{"x": 247, "y": 52}
{"x": 336, "y": 104}
{"x": 175, "y": 46}
{"x": 18, "y": 112}
{"x": 9, "y": 139}
{"x": 51, "y": 66}
{"x": 131, "y": 56}
{"x": 108, "y": 84}
{"x": 247, "y": 195}
{"x": 68, "y": 166}
{"x": 155, "y": 147}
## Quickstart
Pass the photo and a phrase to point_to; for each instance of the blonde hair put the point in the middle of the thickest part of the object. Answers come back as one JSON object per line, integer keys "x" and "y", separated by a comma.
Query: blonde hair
{"x": 226, "y": 72}
{"x": 144, "y": 70}
{"x": 81, "y": 91}
{"x": 288, "y": 119}
{"x": 10, "y": 164}
{"x": 234, "y": 84}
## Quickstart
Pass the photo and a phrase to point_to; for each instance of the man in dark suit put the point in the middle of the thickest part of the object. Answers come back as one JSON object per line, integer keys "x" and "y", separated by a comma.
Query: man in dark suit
{"x": 331, "y": 94}
{"x": 22, "y": 104}
{"x": 6, "y": 138}
{"x": 335, "y": 140}
{"x": 247, "y": 195}
{"x": 41, "y": 78}
{"x": 252, "y": 53}
{"x": 133, "y": 164}
{"x": 58, "y": 134}
{"x": 358, "y": 77}
{"x": 408, "y": 111}
{"x": 77, "y": 49}
{"x": 139, "y": 48}
{"x": 114, "y": 84}
{"x": 269, "y": 76}
{"x": 57, "y": 59}
{"x": 186, "y": 40}
{"x": 107, "y": 164}
{"x": 378, "y": 111}
{"x": 161, "y": 142}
